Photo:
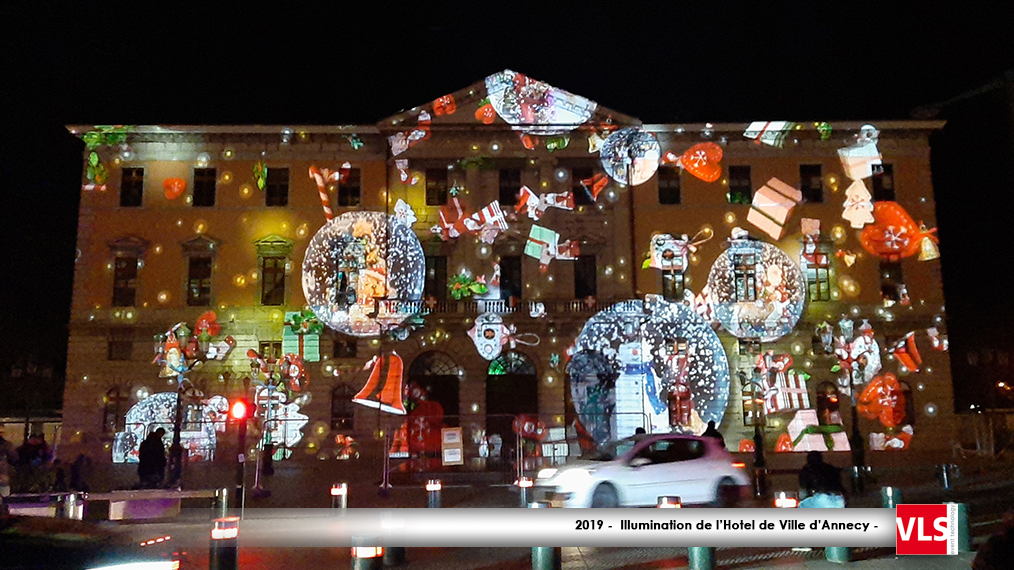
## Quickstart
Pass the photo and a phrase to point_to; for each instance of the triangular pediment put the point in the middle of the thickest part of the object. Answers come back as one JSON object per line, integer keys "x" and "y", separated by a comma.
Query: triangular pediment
{"x": 274, "y": 245}
{"x": 201, "y": 244}
{"x": 517, "y": 102}
{"x": 129, "y": 245}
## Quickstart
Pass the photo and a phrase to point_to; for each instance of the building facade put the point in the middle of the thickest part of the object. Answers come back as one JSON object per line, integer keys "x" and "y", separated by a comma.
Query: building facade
{"x": 577, "y": 305}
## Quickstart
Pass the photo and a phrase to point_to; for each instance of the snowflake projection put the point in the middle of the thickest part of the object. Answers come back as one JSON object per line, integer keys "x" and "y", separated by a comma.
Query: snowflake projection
{"x": 360, "y": 272}
{"x": 757, "y": 291}
{"x": 630, "y": 149}
{"x": 201, "y": 421}
{"x": 535, "y": 107}
{"x": 653, "y": 360}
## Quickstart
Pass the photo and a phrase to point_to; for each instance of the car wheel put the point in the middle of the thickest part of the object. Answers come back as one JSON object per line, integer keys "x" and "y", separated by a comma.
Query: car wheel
{"x": 726, "y": 494}
{"x": 605, "y": 497}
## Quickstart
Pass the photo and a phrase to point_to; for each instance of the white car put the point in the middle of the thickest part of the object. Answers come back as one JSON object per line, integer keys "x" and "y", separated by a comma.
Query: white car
{"x": 636, "y": 471}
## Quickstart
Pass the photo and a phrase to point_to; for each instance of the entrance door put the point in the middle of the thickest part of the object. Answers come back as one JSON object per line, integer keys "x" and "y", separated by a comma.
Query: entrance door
{"x": 512, "y": 388}
{"x": 437, "y": 374}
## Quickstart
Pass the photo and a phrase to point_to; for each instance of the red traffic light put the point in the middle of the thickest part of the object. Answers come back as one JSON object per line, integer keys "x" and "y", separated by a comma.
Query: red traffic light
{"x": 238, "y": 410}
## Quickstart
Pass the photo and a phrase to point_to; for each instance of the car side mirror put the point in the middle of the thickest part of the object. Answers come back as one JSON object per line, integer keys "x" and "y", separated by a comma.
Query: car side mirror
{"x": 639, "y": 462}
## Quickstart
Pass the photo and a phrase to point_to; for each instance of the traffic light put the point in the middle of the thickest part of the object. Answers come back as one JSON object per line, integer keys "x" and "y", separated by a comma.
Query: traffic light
{"x": 238, "y": 410}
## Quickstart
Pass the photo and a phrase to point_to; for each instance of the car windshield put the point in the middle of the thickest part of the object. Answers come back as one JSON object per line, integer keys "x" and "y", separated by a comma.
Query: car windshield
{"x": 610, "y": 450}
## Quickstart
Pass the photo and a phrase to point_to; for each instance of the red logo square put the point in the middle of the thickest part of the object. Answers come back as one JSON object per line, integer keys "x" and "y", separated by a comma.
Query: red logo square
{"x": 927, "y": 529}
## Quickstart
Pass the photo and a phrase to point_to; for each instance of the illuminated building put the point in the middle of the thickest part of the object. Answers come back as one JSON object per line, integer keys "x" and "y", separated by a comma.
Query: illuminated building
{"x": 179, "y": 220}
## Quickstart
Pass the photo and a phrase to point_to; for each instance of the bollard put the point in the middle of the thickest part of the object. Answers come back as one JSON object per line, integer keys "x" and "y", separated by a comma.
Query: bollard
{"x": 433, "y": 487}
{"x": 838, "y": 554}
{"x": 701, "y": 557}
{"x": 221, "y": 503}
{"x": 524, "y": 484}
{"x": 72, "y": 506}
{"x": 367, "y": 554}
{"x": 224, "y": 553}
{"x": 964, "y": 529}
{"x": 339, "y": 498}
{"x": 545, "y": 557}
{"x": 760, "y": 481}
{"x": 786, "y": 500}
{"x": 669, "y": 502}
{"x": 394, "y": 555}
{"x": 890, "y": 497}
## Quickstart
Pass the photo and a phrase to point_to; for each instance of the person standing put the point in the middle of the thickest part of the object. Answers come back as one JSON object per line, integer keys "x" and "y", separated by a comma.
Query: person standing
{"x": 8, "y": 459}
{"x": 712, "y": 431}
{"x": 822, "y": 483}
{"x": 151, "y": 460}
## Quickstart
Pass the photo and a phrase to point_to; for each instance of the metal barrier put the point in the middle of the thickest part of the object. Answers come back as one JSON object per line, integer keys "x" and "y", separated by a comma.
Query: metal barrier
{"x": 124, "y": 505}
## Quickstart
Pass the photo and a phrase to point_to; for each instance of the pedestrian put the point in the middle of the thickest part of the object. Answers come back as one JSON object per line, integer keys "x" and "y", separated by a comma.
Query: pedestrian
{"x": 998, "y": 552}
{"x": 822, "y": 484}
{"x": 33, "y": 465}
{"x": 640, "y": 431}
{"x": 151, "y": 460}
{"x": 712, "y": 431}
{"x": 8, "y": 460}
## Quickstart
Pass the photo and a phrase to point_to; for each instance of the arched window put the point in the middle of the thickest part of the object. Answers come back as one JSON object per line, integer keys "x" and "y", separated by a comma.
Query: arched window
{"x": 433, "y": 364}
{"x": 114, "y": 409}
{"x": 436, "y": 374}
{"x": 827, "y": 403}
{"x": 906, "y": 391}
{"x": 342, "y": 408}
{"x": 511, "y": 363}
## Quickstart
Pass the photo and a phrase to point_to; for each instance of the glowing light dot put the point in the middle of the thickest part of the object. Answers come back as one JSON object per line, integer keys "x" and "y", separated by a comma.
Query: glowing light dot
{"x": 245, "y": 191}
{"x": 200, "y": 226}
{"x": 239, "y": 280}
{"x": 163, "y": 297}
{"x": 930, "y": 409}
{"x": 84, "y": 378}
{"x": 179, "y": 223}
{"x": 475, "y": 407}
{"x": 495, "y": 147}
{"x": 158, "y": 249}
{"x": 226, "y": 177}
{"x": 920, "y": 386}
{"x": 109, "y": 266}
{"x": 730, "y": 218}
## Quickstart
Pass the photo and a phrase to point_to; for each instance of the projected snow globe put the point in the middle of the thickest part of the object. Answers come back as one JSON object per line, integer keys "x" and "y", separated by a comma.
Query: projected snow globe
{"x": 361, "y": 272}
{"x": 535, "y": 107}
{"x": 630, "y": 150}
{"x": 757, "y": 290}
{"x": 649, "y": 359}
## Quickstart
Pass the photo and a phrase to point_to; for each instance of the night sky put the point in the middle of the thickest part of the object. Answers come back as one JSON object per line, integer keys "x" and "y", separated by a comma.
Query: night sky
{"x": 662, "y": 62}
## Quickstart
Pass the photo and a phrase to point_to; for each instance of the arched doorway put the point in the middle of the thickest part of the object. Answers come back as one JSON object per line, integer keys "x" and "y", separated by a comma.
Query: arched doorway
{"x": 512, "y": 388}
{"x": 437, "y": 373}
{"x": 827, "y": 403}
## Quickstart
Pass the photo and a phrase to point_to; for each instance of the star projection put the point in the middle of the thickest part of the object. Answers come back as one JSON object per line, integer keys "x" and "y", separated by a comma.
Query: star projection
{"x": 630, "y": 149}
{"x": 653, "y": 359}
{"x": 534, "y": 107}
{"x": 359, "y": 270}
{"x": 757, "y": 291}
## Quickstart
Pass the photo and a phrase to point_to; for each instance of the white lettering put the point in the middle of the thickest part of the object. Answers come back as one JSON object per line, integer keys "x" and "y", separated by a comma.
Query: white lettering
{"x": 940, "y": 524}
{"x": 906, "y": 533}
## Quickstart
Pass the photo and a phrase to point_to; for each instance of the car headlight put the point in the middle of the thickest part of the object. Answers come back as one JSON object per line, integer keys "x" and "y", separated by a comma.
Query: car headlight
{"x": 156, "y": 565}
{"x": 546, "y": 473}
{"x": 573, "y": 477}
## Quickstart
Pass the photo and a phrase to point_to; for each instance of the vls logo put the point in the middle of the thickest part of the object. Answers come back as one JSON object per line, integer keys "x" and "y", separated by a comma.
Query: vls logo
{"x": 927, "y": 529}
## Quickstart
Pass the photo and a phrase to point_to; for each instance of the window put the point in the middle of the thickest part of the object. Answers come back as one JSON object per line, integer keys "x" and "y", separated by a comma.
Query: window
{"x": 120, "y": 343}
{"x": 342, "y": 408}
{"x": 584, "y": 277}
{"x": 436, "y": 186}
{"x": 672, "y": 286}
{"x": 753, "y": 401}
{"x": 883, "y": 183}
{"x": 131, "y": 187}
{"x": 205, "y": 180}
{"x": 582, "y": 194}
{"x": 510, "y": 276}
{"x": 818, "y": 274}
{"x": 510, "y": 185}
{"x": 668, "y": 185}
{"x": 124, "y": 281}
{"x": 891, "y": 282}
{"x": 270, "y": 348}
{"x": 906, "y": 391}
{"x": 740, "y": 187}
{"x": 276, "y": 192}
{"x": 114, "y": 410}
{"x": 350, "y": 190}
{"x": 344, "y": 347}
{"x": 436, "y": 277}
{"x": 672, "y": 450}
{"x": 811, "y": 183}
{"x": 272, "y": 280}
{"x": 199, "y": 281}
{"x": 744, "y": 272}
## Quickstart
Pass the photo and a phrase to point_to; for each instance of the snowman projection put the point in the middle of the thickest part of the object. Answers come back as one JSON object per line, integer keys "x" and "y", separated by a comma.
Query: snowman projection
{"x": 653, "y": 364}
